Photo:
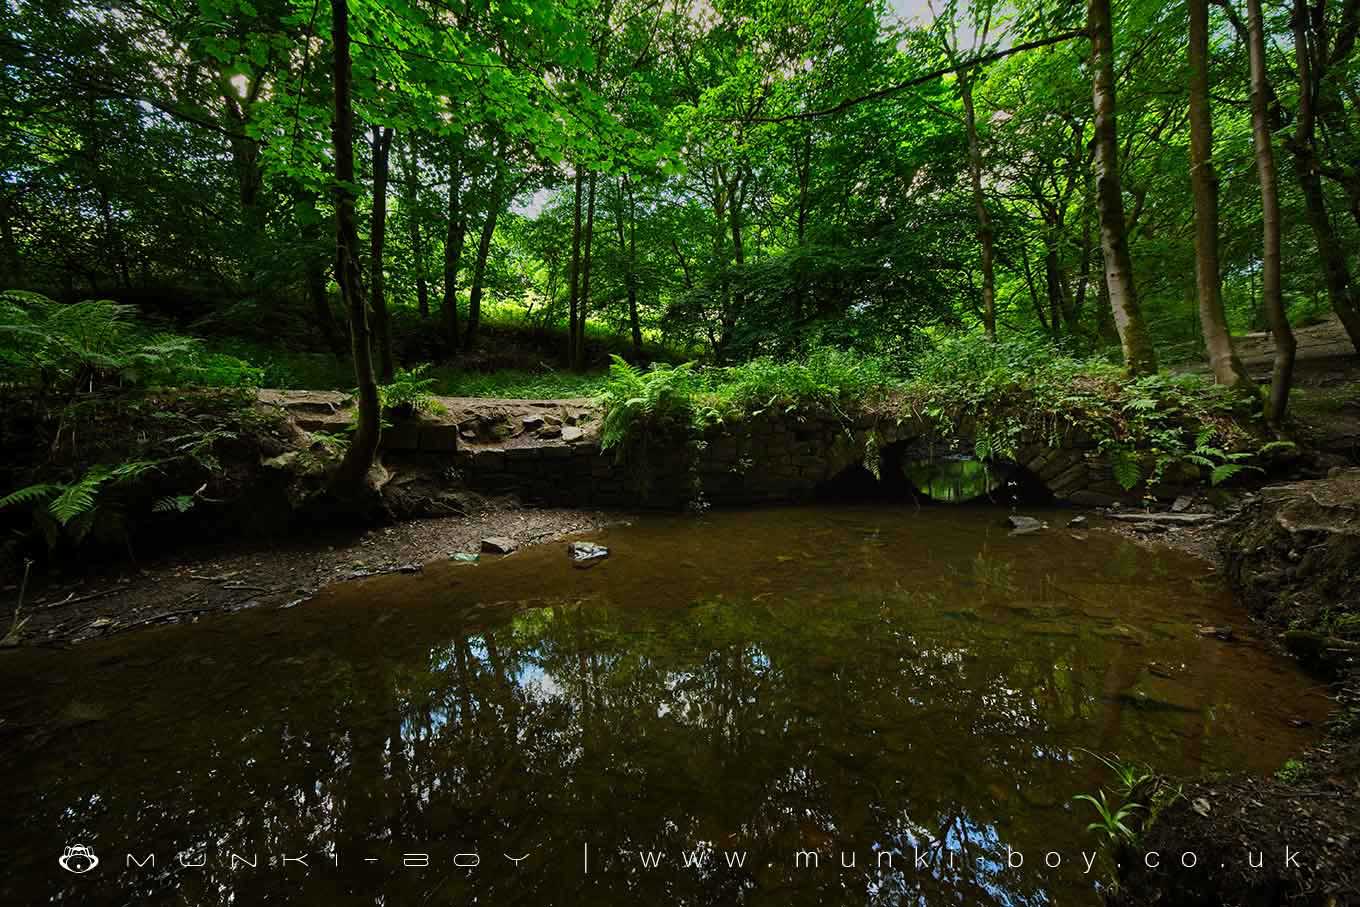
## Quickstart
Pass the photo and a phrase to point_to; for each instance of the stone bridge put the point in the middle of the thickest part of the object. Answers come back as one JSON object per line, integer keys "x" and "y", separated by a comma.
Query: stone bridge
{"x": 548, "y": 452}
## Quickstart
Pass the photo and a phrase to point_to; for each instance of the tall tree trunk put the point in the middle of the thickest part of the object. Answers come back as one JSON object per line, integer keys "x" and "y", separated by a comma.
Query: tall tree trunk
{"x": 799, "y": 290}
{"x": 736, "y": 200}
{"x": 11, "y": 268}
{"x": 574, "y": 269}
{"x": 314, "y": 275}
{"x": 1306, "y": 164}
{"x": 409, "y": 168}
{"x": 363, "y": 449}
{"x": 1056, "y": 287}
{"x": 1223, "y": 360}
{"x": 474, "y": 321}
{"x": 1139, "y": 357}
{"x": 113, "y": 240}
{"x": 377, "y": 239}
{"x": 579, "y": 359}
{"x": 455, "y": 229}
{"x": 1272, "y": 298}
{"x": 984, "y": 220}
{"x": 629, "y": 253}
{"x": 1083, "y": 275}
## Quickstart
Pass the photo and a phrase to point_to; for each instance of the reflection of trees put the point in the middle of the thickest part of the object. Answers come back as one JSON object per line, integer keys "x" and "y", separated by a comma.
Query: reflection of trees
{"x": 773, "y": 727}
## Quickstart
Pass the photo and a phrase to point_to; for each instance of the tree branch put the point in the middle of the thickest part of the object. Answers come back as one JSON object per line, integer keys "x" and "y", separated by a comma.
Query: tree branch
{"x": 900, "y": 87}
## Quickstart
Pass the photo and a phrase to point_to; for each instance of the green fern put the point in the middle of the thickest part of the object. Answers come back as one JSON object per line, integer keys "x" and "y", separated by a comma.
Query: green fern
{"x": 86, "y": 345}
{"x": 1126, "y": 470}
{"x": 78, "y": 497}
{"x": 30, "y": 495}
{"x": 1225, "y": 471}
{"x": 410, "y": 390}
{"x": 634, "y": 401}
{"x": 174, "y": 503}
{"x": 73, "y": 500}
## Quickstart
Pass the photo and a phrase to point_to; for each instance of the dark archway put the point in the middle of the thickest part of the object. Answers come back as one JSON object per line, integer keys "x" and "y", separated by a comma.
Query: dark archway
{"x": 909, "y": 472}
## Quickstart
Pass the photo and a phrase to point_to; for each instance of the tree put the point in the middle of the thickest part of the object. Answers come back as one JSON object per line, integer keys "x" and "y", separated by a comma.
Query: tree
{"x": 1139, "y": 357}
{"x": 455, "y": 229}
{"x": 1271, "y": 294}
{"x": 1227, "y": 367}
{"x": 411, "y": 170}
{"x": 363, "y": 448}
{"x": 495, "y": 199}
{"x": 1312, "y": 62}
{"x": 377, "y": 240}
{"x": 578, "y": 354}
{"x": 965, "y": 77}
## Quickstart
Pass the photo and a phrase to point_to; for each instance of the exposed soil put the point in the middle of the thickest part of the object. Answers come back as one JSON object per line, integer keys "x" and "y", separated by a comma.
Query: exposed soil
{"x": 216, "y": 578}
{"x": 1292, "y": 555}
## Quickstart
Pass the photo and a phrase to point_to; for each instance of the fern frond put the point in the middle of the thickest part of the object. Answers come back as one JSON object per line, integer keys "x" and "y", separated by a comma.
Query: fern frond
{"x": 30, "y": 494}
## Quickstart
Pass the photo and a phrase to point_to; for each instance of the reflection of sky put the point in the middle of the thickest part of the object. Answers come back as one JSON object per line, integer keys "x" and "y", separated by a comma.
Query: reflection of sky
{"x": 537, "y": 683}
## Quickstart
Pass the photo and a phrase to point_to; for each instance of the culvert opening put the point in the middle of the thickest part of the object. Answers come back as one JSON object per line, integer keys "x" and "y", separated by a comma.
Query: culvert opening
{"x": 947, "y": 479}
{"x": 966, "y": 480}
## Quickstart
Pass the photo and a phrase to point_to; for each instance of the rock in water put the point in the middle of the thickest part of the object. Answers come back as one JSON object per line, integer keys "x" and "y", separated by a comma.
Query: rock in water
{"x": 498, "y": 545}
{"x": 1023, "y": 525}
{"x": 586, "y": 554}
{"x": 1077, "y": 522}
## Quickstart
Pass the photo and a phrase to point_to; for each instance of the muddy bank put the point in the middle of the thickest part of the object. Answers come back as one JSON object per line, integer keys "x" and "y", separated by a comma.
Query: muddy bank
{"x": 220, "y": 578}
{"x": 1292, "y": 558}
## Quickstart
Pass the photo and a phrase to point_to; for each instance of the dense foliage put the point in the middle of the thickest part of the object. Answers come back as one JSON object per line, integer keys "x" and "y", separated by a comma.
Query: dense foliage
{"x": 809, "y": 204}
{"x": 1005, "y": 391}
{"x": 709, "y": 176}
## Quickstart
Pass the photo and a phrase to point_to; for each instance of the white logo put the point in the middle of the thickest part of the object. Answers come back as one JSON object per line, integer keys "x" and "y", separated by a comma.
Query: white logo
{"x": 78, "y": 859}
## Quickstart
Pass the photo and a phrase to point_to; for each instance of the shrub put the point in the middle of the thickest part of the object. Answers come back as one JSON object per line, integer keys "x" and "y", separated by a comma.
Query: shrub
{"x": 91, "y": 345}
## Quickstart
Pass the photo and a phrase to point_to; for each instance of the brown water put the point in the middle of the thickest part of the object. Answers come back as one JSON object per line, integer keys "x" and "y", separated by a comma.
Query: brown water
{"x": 729, "y": 691}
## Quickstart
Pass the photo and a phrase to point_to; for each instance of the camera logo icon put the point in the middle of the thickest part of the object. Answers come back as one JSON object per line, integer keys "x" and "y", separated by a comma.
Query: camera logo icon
{"x": 78, "y": 859}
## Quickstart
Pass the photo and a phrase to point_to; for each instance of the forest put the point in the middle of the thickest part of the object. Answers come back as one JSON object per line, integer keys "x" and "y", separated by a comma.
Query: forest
{"x": 715, "y": 181}
{"x": 950, "y": 411}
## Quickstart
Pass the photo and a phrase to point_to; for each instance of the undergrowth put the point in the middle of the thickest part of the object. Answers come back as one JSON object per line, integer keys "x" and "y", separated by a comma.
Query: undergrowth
{"x": 1009, "y": 393}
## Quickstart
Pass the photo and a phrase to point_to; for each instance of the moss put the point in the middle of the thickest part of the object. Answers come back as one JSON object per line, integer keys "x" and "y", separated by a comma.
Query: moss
{"x": 1292, "y": 772}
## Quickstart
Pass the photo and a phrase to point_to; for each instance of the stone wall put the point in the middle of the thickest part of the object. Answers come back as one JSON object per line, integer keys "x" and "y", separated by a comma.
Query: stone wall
{"x": 771, "y": 458}
{"x": 548, "y": 452}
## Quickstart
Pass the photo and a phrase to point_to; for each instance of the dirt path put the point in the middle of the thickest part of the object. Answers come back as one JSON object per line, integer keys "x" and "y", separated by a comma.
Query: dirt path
{"x": 1325, "y": 402}
{"x": 215, "y": 578}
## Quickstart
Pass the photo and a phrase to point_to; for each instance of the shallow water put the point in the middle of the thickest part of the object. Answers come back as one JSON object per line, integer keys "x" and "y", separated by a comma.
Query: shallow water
{"x": 731, "y": 691}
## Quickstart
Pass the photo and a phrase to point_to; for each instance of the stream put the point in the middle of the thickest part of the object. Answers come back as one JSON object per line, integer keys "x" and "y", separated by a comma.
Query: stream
{"x": 912, "y": 696}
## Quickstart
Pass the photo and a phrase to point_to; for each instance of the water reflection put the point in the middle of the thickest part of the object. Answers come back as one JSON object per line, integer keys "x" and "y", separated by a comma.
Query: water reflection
{"x": 951, "y": 480}
{"x": 867, "y": 686}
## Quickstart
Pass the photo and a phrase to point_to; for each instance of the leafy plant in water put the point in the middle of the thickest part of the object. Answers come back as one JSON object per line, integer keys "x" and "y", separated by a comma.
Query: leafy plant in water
{"x": 1111, "y": 822}
{"x": 1129, "y": 777}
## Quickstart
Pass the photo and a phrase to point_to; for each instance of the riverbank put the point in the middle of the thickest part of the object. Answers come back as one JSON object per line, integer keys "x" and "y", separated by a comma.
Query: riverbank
{"x": 216, "y": 578}
{"x": 1292, "y": 559}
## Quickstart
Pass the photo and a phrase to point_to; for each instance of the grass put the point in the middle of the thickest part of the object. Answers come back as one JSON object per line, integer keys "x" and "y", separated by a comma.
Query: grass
{"x": 516, "y": 384}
